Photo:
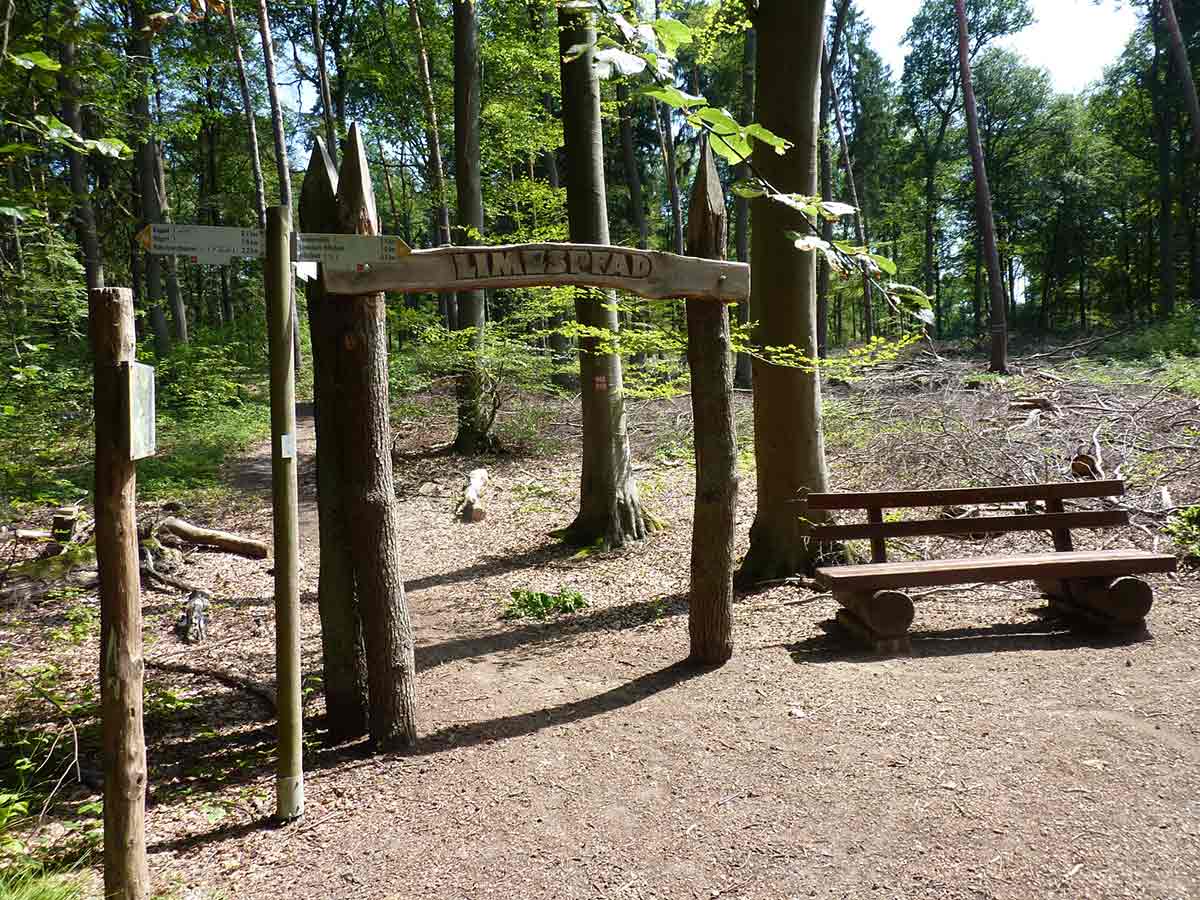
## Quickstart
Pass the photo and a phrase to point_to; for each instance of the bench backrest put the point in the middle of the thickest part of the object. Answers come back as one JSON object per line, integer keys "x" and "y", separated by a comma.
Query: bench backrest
{"x": 1055, "y": 519}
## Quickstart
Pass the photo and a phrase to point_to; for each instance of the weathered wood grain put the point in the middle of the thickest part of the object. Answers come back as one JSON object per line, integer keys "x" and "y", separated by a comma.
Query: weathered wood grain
{"x": 646, "y": 273}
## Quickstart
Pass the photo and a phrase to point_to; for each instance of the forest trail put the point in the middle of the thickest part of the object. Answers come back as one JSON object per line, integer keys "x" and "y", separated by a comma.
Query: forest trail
{"x": 574, "y": 758}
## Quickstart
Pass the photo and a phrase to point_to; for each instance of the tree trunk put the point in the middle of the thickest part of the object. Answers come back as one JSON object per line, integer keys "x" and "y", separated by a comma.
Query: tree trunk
{"x": 710, "y": 600}
{"x": 147, "y": 165}
{"x": 472, "y": 434}
{"x": 85, "y": 215}
{"x": 126, "y": 875}
{"x": 281, "y": 156}
{"x": 331, "y": 145}
{"x": 930, "y": 225}
{"x": 174, "y": 297}
{"x": 609, "y": 510}
{"x": 742, "y": 377}
{"x": 633, "y": 173}
{"x": 826, "y": 162}
{"x": 260, "y": 191}
{"x": 368, "y": 495}
{"x": 1166, "y": 197}
{"x": 788, "y": 439}
{"x": 860, "y": 228}
{"x": 983, "y": 204}
{"x": 1183, "y": 70}
{"x": 342, "y": 649}
{"x": 434, "y": 141}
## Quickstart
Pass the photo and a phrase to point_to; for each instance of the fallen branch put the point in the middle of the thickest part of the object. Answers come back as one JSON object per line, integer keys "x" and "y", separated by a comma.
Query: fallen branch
{"x": 208, "y": 537}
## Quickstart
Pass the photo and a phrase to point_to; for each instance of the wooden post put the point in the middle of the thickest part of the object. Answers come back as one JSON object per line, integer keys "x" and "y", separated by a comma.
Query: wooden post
{"x": 126, "y": 875}
{"x": 289, "y": 783}
{"x": 710, "y": 615}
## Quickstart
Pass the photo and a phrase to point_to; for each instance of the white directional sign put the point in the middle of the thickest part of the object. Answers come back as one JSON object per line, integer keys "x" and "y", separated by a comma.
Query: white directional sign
{"x": 202, "y": 243}
{"x": 348, "y": 251}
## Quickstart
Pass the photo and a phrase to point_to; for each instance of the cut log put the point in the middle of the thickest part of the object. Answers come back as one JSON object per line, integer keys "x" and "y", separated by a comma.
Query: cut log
{"x": 62, "y": 527}
{"x": 207, "y": 537}
{"x": 471, "y": 508}
{"x": 886, "y": 613}
{"x": 1123, "y": 601}
{"x": 850, "y": 622}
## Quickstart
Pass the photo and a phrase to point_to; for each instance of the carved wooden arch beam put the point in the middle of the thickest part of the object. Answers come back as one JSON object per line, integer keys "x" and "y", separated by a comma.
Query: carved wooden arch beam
{"x": 646, "y": 273}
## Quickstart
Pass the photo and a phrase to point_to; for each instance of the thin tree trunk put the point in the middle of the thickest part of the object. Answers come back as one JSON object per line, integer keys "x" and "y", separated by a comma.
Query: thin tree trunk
{"x": 260, "y": 191}
{"x": 788, "y": 437}
{"x": 147, "y": 165}
{"x": 434, "y": 142}
{"x": 1183, "y": 70}
{"x": 633, "y": 173}
{"x": 742, "y": 372}
{"x": 860, "y": 228}
{"x": 609, "y": 510}
{"x": 331, "y": 145}
{"x": 472, "y": 434}
{"x": 983, "y": 203}
{"x": 826, "y": 162}
{"x": 85, "y": 215}
{"x": 1166, "y": 218}
{"x": 281, "y": 154}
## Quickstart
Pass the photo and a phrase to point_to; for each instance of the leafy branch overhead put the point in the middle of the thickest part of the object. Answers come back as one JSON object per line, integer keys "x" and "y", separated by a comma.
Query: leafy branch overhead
{"x": 647, "y": 48}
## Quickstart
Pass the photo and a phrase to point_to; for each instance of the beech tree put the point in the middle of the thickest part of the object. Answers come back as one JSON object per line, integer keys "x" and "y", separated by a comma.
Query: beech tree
{"x": 610, "y": 511}
{"x": 788, "y": 437}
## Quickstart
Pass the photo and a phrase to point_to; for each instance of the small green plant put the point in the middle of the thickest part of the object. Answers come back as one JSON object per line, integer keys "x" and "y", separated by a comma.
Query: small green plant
{"x": 28, "y": 882}
{"x": 82, "y": 622}
{"x": 540, "y": 605}
{"x": 1184, "y": 529}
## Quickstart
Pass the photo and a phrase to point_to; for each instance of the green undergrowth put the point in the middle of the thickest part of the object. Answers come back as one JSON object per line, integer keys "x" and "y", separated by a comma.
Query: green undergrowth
{"x": 29, "y": 882}
{"x": 525, "y": 604}
{"x": 1184, "y": 529}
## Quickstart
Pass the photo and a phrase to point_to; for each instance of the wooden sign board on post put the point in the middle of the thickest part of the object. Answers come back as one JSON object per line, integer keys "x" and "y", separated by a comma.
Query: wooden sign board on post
{"x": 210, "y": 244}
{"x": 647, "y": 273}
{"x": 137, "y": 383}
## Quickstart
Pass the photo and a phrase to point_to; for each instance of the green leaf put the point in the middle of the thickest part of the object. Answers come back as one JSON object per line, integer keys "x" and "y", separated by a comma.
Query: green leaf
{"x": 748, "y": 190}
{"x": 720, "y": 119}
{"x": 798, "y": 202}
{"x": 807, "y": 241}
{"x": 34, "y": 60}
{"x": 57, "y": 130}
{"x": 836, "y": 209}
{"x": 672, "y": 34}
{"x": 885, "y": 264}
{"x": 17, "y": 149}
{"x": 674, "y": 97}
{"x": 113, "y": 147}
{"x": 614, "y": 59}
{"x": 768, "y": 137}
{"x": 20, "y": 213}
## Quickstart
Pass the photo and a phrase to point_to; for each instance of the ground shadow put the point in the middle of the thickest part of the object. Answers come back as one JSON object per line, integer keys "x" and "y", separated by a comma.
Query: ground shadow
{"x": 495, "y": 565}
{"x": 1044, "y": 633}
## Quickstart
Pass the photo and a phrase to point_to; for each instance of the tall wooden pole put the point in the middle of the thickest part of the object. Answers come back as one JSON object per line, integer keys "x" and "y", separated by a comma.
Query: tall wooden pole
{"x": 710, "y": 613}
{"x": 126, "y": 875}
{"x": 289, "y": 802}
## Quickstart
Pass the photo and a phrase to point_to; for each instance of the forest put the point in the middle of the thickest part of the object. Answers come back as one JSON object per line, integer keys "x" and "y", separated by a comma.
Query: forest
{"x": 943, "y": 285}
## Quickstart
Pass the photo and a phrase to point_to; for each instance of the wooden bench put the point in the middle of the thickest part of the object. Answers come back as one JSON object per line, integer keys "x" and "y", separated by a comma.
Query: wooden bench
{"x": 1095, "y": 586}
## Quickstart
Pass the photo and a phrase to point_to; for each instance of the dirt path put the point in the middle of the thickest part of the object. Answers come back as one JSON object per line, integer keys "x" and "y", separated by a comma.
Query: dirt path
{"x": 1006, "y": 758}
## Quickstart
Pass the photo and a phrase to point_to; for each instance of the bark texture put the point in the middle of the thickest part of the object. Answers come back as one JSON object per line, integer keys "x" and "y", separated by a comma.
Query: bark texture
{"x": 983, "y": 203}
{"x": 343, "y": 651}
{"x": 609, "y": 508}
{"x": 788, "y": 438}
{"x": 472, "y": 422}
{"x": 367, "y": 483}
{"x": 710, "y": 613}
{"x": 126, "y": 874}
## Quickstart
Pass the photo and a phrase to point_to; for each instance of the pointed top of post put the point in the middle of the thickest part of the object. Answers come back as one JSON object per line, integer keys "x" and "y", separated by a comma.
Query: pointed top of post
{"x": 707, "y": 218}
{"x": 318, "y": 193}
{"x": 356, "y": 196}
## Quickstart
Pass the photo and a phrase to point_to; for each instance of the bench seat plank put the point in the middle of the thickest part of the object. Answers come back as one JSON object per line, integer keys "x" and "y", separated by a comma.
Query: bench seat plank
{"x": 928, "y": 573}
{"x": 1105, "y": 518}
{"x": 1065, "y": 490}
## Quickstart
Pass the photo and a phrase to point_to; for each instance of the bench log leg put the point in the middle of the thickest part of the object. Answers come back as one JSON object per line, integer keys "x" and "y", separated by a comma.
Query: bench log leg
{"x": 1116, "y": 603}
{"x": 880, "y": 619}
